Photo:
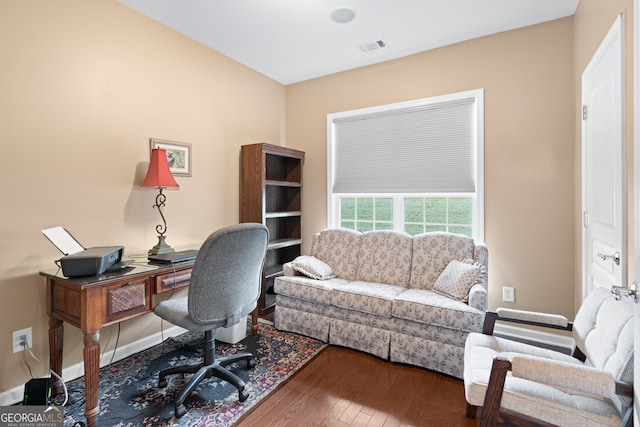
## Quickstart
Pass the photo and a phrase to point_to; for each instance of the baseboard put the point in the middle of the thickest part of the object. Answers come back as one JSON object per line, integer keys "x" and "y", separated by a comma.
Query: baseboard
{"x": 15, "y": 395}
{"x": 546, "y": 338}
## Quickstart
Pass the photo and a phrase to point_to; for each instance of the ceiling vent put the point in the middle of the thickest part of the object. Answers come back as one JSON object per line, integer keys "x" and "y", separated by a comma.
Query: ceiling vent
{"x": 373, "y": 45}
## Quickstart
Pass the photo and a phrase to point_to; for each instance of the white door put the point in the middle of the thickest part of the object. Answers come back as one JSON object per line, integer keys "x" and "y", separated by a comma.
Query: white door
{"x": 603, "y": 166}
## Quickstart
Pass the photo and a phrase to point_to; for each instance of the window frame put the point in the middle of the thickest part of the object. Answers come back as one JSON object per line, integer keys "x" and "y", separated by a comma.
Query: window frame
{"x": 333, "y": 205}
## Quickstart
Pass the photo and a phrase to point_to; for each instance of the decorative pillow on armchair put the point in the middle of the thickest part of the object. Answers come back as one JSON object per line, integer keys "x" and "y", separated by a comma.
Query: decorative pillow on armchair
{"x": 457, "y": 278}
{"x": 312, "y": 267}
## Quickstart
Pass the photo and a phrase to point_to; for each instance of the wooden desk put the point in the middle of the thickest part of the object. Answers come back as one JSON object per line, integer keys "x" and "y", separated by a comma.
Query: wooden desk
{"x": 89, "y": 303}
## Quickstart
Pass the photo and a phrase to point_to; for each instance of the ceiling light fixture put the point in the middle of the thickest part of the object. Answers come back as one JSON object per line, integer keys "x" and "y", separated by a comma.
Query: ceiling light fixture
{"x": 343, "y": 15}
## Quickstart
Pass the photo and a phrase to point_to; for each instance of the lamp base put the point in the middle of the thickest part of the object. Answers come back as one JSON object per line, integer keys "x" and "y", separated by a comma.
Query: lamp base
{"x": 161, "y": 247}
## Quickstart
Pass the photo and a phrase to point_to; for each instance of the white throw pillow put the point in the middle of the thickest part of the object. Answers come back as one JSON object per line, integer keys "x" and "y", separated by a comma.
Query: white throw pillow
{"x": 312, "y": 267}
{"x": 457, "y": 278}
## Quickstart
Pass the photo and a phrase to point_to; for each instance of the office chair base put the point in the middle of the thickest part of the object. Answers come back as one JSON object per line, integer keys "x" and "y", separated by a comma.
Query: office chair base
{"x": 211, "y": 367}
{"x": 180, "y": 411}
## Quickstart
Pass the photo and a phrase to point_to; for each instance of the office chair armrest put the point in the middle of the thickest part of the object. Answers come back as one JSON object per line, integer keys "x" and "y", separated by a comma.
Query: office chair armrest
{"x": 533, "y": 318}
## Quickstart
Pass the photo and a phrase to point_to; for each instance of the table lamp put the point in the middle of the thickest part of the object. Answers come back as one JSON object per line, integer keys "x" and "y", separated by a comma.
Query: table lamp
{"x": 159, "y": 176}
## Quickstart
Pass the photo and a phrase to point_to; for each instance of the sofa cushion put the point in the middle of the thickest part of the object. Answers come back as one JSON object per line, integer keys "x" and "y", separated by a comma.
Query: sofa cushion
{"x": 306, "y": 288}
{"x": 432, "y": 252}
{"x": 385, "y": 257}
{"x": 457, "y": 279}
{"x": 339, "y": 249}
{"x": 430, "y": 308}
{"x": 312, "y": 267}
{"x": 367, "y": 297}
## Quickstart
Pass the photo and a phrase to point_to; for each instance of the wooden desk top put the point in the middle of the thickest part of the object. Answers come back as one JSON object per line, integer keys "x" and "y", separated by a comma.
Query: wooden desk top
{"x": 142, "y": 267}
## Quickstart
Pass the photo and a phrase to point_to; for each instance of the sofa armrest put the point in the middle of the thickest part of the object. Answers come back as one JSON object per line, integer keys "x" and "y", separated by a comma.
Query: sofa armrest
{"x": 478, "y": 297}
{"x": 310, "y": 266}
{"x": 481, "y": 254}
{"x": 532, "y": 318}
{"x": 287, "y": 269}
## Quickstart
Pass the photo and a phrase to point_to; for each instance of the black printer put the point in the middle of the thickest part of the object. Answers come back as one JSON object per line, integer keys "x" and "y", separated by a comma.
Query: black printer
{"x": 91, "y": 261}
{"x": 78, "y": 261}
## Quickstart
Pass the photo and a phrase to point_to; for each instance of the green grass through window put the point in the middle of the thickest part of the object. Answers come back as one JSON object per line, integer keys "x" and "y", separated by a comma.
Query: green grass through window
{"x": 420, "y": 214}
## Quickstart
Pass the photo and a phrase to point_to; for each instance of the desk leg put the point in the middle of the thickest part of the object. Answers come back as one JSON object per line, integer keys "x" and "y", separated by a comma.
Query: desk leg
{"x": 254, "y": 322}
{"x": 55, "y": 351}
{"x": 91, "y": 375}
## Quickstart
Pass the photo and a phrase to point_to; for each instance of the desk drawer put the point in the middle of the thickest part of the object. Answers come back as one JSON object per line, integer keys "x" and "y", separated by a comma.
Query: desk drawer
{"x": 173, "y": 280}
{"x": 127, "y": 299}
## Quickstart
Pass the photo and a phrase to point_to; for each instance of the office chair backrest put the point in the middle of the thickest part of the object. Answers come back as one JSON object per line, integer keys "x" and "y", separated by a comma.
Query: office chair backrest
{"x": 225, "y": 281}
{"x": 603, "y": 330}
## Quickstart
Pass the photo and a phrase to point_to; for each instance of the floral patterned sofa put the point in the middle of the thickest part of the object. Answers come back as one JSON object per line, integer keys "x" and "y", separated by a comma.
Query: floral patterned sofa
{"x": 406, "y": 299}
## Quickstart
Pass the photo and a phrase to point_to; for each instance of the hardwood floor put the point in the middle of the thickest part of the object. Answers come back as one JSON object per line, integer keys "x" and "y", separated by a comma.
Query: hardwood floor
{"x": 343, "y": 387}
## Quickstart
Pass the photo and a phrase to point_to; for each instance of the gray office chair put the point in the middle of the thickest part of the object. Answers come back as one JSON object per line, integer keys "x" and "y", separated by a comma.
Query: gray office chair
{"x": 224, "y": 288}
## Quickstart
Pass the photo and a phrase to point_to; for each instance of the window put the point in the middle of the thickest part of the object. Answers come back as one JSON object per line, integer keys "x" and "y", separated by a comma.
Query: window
{"x": 417, "y": 213}
{"x": 452, "y": 214}
{"x": 366, "y": 213}
{"x": 415, "y": 166}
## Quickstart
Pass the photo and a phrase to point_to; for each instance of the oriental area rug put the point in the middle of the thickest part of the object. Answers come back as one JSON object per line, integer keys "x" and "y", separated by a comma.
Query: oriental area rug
{"x": 129, "y": 393}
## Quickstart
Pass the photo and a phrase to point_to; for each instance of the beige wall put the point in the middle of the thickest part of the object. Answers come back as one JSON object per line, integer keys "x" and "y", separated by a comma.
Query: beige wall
{"x": 84, "y": 86}
{"x": 527, "y": 76}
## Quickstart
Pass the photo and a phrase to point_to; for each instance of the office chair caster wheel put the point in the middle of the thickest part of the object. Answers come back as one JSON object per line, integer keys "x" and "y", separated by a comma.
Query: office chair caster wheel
{"x": 162, "y": 383}
{"x": 251, "y": 363}
{"x": 180, "y": 411}
{"x": 242, "y": 395}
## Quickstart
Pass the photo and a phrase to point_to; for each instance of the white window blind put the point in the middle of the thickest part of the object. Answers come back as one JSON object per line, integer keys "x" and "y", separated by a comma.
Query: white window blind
{"x": 419, "y": 148}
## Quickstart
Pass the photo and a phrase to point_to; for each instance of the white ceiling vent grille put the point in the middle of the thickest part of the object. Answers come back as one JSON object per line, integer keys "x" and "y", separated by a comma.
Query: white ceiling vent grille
{"x": 373, "y": 45}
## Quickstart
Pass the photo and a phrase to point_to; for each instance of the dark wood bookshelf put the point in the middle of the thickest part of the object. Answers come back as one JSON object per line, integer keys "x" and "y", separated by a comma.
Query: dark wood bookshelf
{"x": 271, "y": 194}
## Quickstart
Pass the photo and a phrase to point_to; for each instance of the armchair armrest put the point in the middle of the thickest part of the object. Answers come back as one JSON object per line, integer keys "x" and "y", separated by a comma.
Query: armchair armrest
{"x": 580, "y": 378}
{"x": 583, "y": 379}
{"x": 532, "y": 318}
{"x": 624, "y": 389}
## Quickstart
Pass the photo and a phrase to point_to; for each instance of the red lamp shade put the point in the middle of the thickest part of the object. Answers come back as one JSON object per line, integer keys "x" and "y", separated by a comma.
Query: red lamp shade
{"x": 159, "y": 175}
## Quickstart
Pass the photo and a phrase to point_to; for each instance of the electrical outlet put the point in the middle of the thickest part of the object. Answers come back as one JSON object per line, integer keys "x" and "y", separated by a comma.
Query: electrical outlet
{"x": 18, "y": 338}
{"x": 508, "y": 294}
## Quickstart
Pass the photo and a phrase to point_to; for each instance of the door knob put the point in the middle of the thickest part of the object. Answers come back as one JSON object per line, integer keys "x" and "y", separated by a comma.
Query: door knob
{"x": 615, "y": 257}
{"x": 631, "y": 291}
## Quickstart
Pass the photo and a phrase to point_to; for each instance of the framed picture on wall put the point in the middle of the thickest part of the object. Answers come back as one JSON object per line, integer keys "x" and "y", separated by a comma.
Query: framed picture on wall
{"x": 178, "y": 155}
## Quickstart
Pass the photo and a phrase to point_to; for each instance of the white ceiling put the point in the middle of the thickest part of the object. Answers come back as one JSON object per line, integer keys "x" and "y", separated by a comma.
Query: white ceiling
{"x": 295, "y": 40}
